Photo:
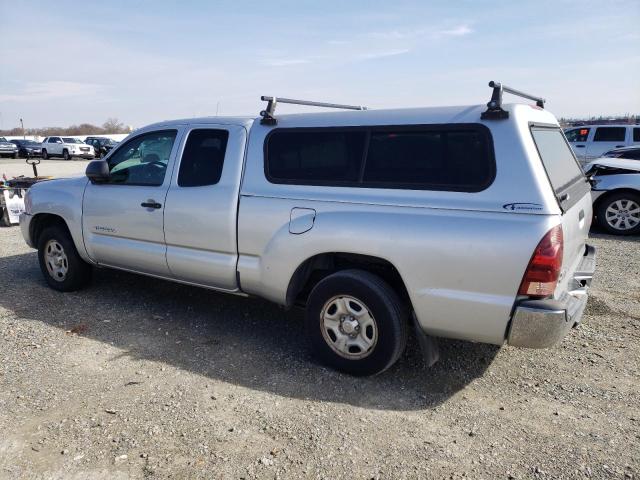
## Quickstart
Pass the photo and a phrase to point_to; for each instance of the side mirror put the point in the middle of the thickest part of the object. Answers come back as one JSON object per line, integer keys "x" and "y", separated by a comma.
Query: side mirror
{"x": 97, "y": 171}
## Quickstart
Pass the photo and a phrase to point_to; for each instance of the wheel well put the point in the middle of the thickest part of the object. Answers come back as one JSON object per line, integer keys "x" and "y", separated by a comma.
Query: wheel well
{"x": 605, "y": 196}
{"x": 314, "y": 269}
{"x": 42, "y": 221}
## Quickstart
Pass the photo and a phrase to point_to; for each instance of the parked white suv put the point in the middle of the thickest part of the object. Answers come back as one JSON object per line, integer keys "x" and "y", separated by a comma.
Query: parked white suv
{"x": 467, "y": 222}
{"x": 67, "y": 148}
{"x": 593, "y": 141}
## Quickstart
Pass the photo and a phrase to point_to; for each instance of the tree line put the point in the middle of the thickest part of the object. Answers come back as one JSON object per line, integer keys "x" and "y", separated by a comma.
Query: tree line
{"x": 112, "y": 125}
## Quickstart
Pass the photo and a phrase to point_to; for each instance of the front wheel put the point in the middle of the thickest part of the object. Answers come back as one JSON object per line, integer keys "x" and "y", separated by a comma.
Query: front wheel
{"x": 356, "y": 323}
{"x": 15, "y": 155}
{"x": 619, "y": 213}
{"x": 65, "y": 155}
{"x": 60, "y": 263}
{"x": 45, "y": 155}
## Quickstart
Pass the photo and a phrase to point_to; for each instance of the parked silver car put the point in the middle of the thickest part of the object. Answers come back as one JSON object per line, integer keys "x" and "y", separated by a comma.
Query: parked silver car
{"x": 467, "y": 222}
{"x": 616, "y": 194}
{"x": 7, "y": 148}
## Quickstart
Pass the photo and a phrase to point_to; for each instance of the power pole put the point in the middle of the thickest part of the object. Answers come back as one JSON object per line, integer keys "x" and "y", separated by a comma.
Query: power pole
{"x": 22, "y": 125}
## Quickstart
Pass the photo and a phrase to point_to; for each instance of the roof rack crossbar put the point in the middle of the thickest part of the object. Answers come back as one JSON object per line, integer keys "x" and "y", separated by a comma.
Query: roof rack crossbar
{"x": 494, "y": 107}
{"x": 268, "y": 113}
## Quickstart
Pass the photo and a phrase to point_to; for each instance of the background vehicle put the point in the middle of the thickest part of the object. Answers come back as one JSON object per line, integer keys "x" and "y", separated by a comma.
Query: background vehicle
{"x": 592, "y": 141}
{"x": 630, "y": 153}
{"x": 371, "y": 220}
{"x": 66, "y": 147}
{"x": 101, "y": 145}
{"x": 616, "y": 194}
{"x": 8, "y": 149}
{"x": 28, "y": 148}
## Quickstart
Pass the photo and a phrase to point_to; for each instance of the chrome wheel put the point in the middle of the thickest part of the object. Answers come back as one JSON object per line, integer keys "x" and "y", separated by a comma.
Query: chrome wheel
{"x": 623, "y": 214}
{"x": 348, "y": 327}
{"x": 56, "y": 260}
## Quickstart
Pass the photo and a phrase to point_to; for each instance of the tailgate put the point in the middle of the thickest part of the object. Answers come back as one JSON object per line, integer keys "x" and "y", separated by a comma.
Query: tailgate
{"x": 573, "y": 193}
{"x": 576, "y": 222}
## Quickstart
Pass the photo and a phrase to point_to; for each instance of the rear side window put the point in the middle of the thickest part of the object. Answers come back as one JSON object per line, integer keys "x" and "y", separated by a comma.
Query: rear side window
{"x": 457, "y": 158}
{"x": 203, "y": 158}
{"x": 577, "y": 135}
{"x": 636, "y": 134}
{"x": 315, "y": 157}
{"x": 435, "y": 160}
{"x": 610, "y": 134}
{"x": 557, "y": 157}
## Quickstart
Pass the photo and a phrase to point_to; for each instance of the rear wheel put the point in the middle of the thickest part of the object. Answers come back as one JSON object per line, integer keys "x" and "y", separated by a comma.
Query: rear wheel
{"x": 65, "y": 155}
{"x": 62, "y": 267}
{"x": 45, "y": 155}
{"x": 619, "y": 213}
{"x": 356, "y": 322}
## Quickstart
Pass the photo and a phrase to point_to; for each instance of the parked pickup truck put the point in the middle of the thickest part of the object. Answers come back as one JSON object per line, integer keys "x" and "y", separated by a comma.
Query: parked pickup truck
{"x": 67, "y": 148}
{"x": 467, "y": 222}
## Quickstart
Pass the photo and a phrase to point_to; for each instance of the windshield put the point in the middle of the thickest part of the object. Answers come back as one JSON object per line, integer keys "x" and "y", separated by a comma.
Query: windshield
{"x": 70, "y": 140}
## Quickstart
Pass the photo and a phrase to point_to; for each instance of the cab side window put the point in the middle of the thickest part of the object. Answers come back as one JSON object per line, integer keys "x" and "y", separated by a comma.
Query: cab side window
{"x": 577, "y": 134}
{"x": 203, "y": 158}
{"x": 142, "y": 160}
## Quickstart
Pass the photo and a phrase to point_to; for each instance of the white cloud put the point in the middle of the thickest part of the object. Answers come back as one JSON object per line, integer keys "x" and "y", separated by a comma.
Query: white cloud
{"x": 36, "y": 91}
{"x": 383, "y": 53}
{"x": 286, "y": 62}
{"x": 458, "y": 31}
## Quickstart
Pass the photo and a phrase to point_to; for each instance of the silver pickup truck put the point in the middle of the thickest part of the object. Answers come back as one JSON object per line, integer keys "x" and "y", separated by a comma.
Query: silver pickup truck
{"x": 465, "y": 222}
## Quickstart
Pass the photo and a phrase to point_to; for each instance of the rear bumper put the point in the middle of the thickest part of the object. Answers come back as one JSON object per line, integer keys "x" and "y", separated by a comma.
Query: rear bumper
{"x": 544, "y": 323}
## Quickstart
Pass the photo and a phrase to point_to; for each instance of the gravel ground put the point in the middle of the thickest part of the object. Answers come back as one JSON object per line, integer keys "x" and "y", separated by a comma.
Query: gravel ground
{"x": 140, "y": 378}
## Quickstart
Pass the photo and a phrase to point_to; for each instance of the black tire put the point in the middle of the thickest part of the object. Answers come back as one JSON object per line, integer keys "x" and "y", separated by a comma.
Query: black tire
{"x": 65, "y": 154}
{"x": 610, "y": 200}
{"x": 383, "y": 304}
{"x": 45, "y": 155}
{"x": 15, "y": 155}
{"x": 78, "y": 272}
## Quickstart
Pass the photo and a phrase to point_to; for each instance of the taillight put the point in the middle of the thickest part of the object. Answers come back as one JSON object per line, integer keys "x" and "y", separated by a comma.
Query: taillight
{"x": 543, "y": 271}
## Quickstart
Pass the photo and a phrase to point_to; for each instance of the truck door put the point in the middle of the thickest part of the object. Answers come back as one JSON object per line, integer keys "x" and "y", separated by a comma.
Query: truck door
{"x": 202, "y": 204}
{"x": 122, "y": 220}
{"x": 54, "y": 146}
{"x": 605, "y": 139}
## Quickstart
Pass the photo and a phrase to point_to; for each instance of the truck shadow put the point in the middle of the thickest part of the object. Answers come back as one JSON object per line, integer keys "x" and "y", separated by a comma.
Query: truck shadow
{"x": 247, "y": 342}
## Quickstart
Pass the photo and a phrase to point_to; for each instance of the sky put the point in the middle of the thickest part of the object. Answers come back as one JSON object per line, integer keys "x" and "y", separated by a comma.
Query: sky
{"x": 68, "y": 62}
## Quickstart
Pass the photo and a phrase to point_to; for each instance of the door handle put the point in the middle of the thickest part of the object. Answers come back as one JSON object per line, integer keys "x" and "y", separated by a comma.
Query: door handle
{"x": 151, "y": 204}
